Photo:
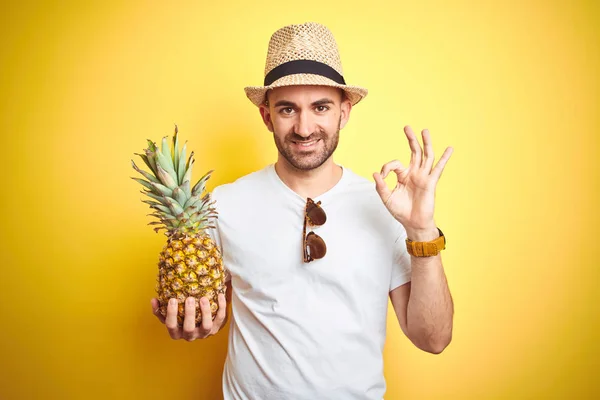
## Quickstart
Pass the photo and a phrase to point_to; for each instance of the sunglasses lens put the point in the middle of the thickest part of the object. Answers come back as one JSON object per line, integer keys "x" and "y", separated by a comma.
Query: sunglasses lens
{"x": 315, "y": 246}
{"x": 316, "y": 214}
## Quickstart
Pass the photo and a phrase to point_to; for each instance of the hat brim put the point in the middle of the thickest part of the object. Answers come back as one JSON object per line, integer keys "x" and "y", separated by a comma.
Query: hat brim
{"x": 256, "y": 94}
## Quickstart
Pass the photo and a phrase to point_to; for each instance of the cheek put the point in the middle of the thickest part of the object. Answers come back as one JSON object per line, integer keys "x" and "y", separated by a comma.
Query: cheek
{"x": 332, "y": 123}
{"x": 280, "y": 129}
{"x": 282, "y": 125}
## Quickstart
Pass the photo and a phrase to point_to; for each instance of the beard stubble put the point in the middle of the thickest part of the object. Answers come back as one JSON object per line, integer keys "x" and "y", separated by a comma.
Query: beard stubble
{"x": 314, "y": 159}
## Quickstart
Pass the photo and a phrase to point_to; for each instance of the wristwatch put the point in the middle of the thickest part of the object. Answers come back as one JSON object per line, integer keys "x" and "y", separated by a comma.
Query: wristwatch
{"x": 426, "y": 249}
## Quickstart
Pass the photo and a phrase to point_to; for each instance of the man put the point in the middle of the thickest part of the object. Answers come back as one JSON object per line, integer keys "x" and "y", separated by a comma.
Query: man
{"x": 314, "y": 251}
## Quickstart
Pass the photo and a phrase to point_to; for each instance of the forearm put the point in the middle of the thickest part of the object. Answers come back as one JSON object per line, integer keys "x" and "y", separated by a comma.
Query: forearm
{"x": 430, "y": 308}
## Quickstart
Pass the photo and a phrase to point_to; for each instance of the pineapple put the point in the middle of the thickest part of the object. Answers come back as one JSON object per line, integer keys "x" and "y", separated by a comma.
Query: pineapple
{"x": 190, "y": 264}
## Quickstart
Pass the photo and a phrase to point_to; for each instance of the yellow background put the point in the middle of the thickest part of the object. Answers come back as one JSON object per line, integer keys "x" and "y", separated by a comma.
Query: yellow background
{"x": 513, "y": 86}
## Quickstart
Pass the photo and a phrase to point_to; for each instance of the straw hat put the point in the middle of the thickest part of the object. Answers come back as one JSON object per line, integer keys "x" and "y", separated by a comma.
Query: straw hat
{"x": 304, "y": 54}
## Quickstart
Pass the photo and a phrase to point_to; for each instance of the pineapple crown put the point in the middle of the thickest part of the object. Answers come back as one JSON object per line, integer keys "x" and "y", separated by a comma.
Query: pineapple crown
{"x": 180, "y": 208}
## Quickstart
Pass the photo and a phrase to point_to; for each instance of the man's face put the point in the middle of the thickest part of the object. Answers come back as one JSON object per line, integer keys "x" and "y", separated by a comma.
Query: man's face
{"x": 306, "y": 121}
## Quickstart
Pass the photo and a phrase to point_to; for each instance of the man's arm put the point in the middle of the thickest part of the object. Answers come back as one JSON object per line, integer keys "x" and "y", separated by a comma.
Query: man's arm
{"x": 424, "y": 306}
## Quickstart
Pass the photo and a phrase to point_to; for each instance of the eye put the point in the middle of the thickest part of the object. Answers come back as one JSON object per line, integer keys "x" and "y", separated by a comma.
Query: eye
{"x": 322, "y": 108}
{"x": 283, "y": 110}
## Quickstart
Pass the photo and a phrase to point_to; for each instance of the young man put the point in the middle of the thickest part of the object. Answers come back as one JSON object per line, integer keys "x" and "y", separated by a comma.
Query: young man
{"x": 313, "y": 250}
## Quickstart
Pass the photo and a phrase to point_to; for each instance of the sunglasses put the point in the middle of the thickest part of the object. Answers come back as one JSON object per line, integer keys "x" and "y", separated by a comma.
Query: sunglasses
{"x": 313, "y": 245}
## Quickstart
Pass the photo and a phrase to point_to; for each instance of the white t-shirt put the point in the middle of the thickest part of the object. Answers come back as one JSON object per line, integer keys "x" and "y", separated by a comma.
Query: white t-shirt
{"x": 307, "y": 331}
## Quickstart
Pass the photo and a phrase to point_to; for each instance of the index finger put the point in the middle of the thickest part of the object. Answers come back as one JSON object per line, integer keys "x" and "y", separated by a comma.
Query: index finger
{"x": 394, "y": 165}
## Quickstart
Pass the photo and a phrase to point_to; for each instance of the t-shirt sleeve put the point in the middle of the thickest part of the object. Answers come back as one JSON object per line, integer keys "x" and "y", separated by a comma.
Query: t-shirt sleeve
{"x": 401, "y": 268}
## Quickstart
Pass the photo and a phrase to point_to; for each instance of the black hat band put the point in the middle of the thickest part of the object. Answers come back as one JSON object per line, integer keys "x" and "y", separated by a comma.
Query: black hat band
{"x": 303, "y": 67}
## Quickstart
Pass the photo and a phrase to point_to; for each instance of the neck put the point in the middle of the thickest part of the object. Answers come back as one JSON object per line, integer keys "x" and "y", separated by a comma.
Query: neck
{"x": 312, "y": 183}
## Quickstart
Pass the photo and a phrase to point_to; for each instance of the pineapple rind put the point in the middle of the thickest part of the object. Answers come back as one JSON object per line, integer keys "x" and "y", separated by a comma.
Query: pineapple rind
{"x": 177, "y": 279}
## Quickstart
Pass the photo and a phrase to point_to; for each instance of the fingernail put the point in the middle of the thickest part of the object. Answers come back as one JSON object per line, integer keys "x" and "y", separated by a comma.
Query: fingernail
{"x": 172, "y": 302}
{"x": 190, "y": 301}
{"x": 204, "y": 301}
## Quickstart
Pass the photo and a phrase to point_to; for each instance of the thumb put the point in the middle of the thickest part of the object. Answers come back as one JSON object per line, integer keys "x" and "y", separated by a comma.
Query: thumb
{"x": 381, "y": 187}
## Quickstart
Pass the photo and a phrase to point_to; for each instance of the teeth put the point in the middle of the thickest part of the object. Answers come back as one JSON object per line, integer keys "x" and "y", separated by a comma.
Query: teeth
{"x": 307, "y": 144}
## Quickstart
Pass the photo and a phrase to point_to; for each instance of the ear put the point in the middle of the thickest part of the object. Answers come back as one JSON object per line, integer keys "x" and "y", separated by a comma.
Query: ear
{"x": 345, "y": 108}
{"x": 265, "y": 113}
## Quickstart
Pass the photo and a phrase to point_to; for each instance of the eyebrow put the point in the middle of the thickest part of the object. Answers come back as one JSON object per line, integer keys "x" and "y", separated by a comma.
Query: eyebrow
{"x": 319, "y": 102}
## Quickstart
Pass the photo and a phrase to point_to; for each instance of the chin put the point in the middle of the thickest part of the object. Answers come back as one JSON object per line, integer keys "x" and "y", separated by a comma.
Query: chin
{"x": 307, "y": 163}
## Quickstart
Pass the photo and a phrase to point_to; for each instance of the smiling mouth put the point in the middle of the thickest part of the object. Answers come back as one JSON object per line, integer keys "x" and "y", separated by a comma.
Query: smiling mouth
{"x": 306, "y": 144}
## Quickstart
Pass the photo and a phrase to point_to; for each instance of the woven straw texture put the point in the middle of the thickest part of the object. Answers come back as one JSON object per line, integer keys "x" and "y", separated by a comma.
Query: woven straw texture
{"x": 308, "y": 41}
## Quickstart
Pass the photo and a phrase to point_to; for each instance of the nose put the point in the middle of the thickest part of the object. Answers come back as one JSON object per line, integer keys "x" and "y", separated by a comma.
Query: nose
{"x": 304, "y": 124}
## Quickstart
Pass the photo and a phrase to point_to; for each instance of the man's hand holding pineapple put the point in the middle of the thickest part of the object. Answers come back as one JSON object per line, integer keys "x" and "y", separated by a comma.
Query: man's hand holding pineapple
{"x": 189, "y": 331}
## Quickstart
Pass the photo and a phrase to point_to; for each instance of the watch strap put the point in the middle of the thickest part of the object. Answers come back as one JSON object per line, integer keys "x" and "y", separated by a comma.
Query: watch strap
{"x": 426, "y": 249}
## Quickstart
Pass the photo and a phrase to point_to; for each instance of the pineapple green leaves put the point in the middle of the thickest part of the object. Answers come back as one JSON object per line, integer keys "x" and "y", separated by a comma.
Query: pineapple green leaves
{"x": 179, "y": 207}
{"x": 181, "y": 164}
